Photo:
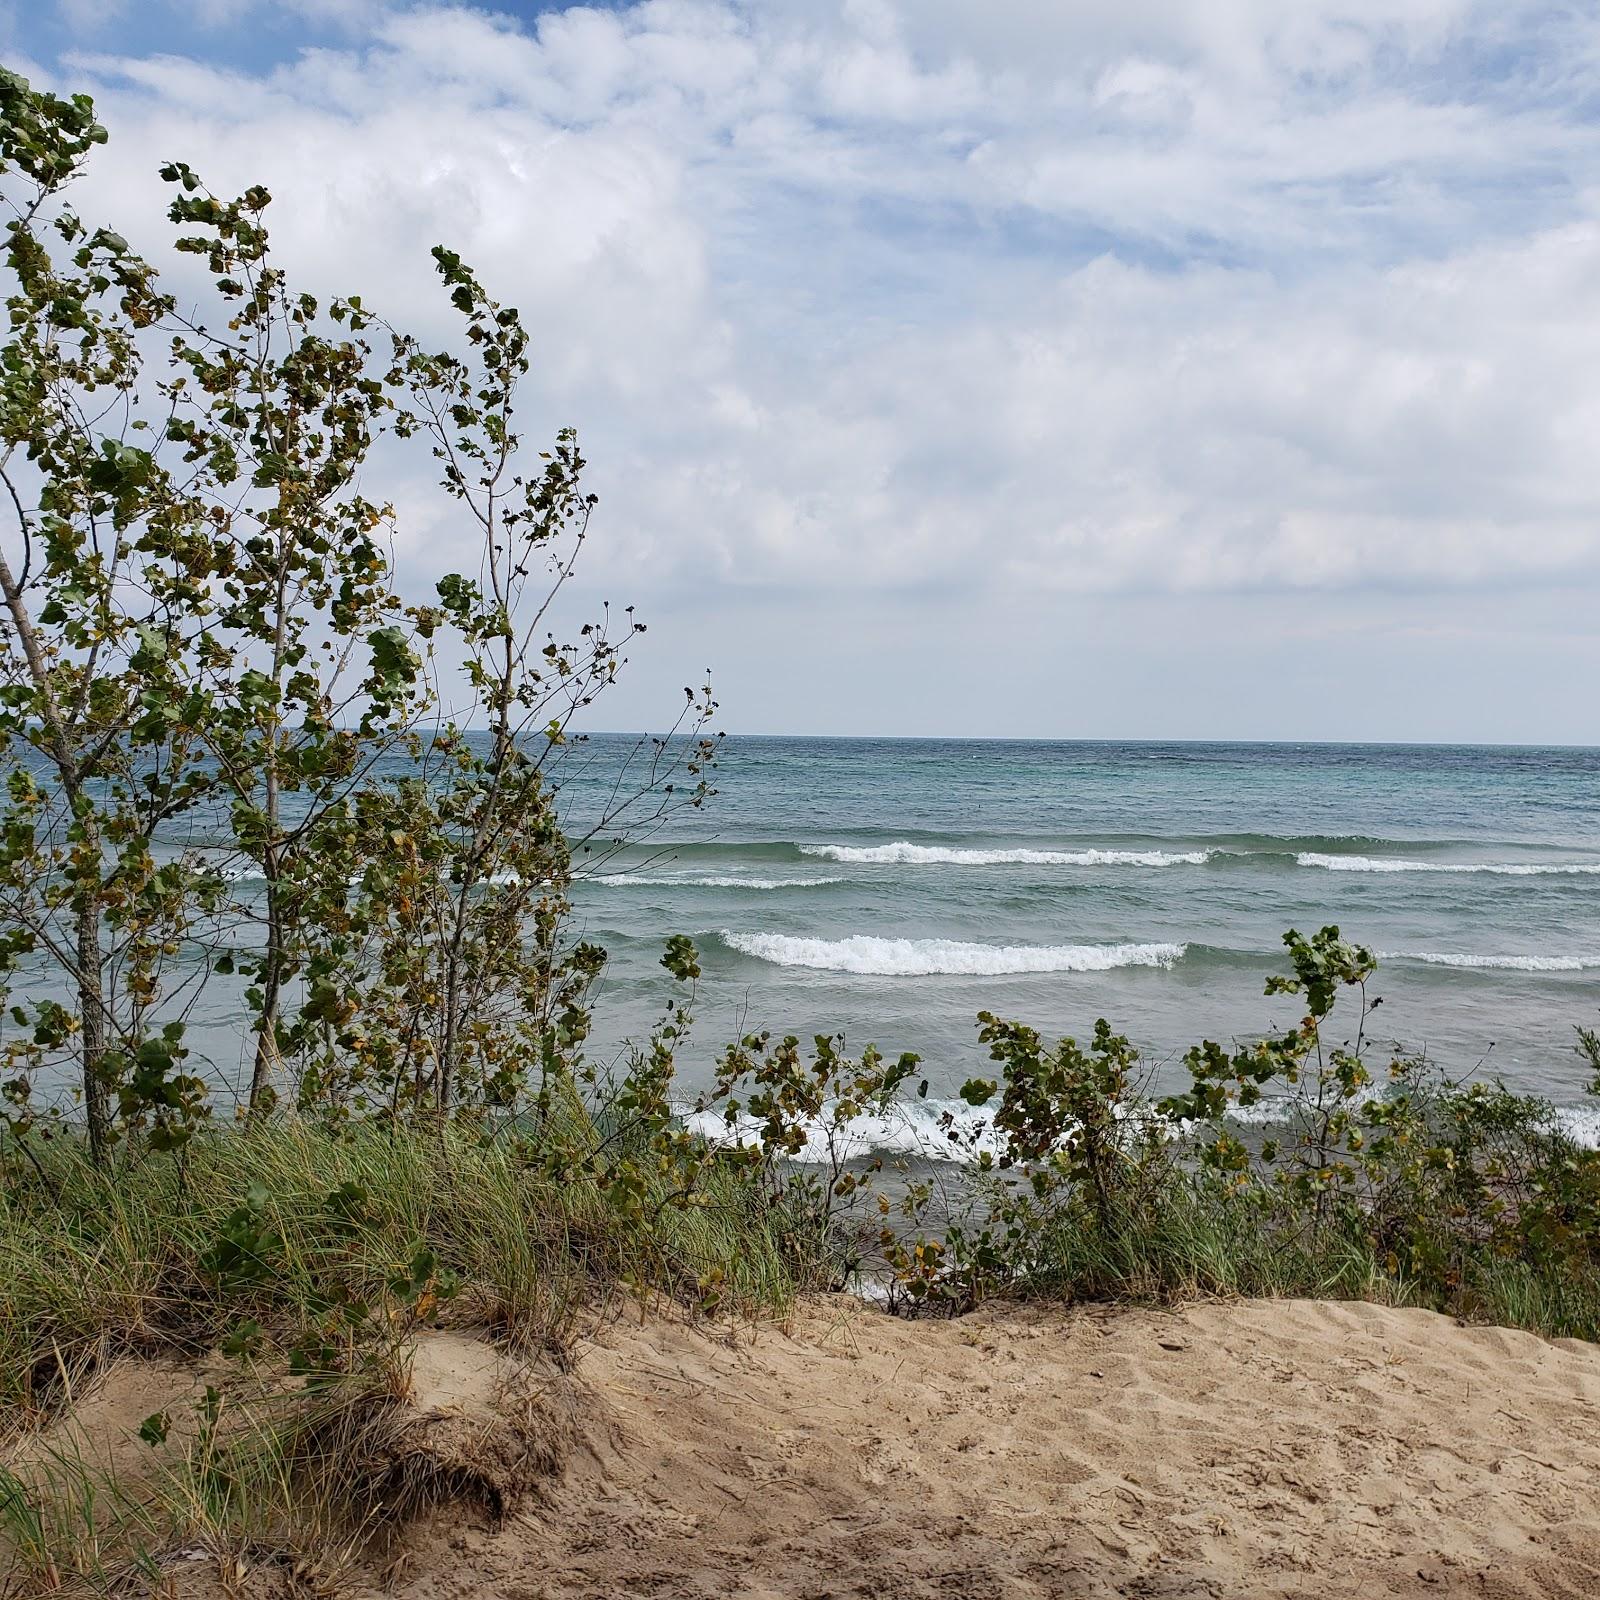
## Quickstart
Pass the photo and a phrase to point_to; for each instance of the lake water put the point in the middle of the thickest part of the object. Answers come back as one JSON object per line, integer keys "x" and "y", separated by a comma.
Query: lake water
{"x": 891, "y": 889}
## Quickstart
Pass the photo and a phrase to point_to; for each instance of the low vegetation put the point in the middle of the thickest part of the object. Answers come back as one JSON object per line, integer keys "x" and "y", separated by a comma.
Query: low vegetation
{"x": 1292, "y": 1165}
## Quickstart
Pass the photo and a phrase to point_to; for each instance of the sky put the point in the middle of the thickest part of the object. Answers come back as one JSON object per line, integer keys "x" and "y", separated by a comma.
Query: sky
{"x": 1114, "y": 369}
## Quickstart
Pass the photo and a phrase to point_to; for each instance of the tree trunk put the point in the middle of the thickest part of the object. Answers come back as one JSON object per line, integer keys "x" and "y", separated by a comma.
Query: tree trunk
{"x": 272, "y": 866}
{"x": 90, "y": 956}
{"x": 92, "y": 1025}
{"x": 266, "y": 1059}
{"x": 444, "y": 1083}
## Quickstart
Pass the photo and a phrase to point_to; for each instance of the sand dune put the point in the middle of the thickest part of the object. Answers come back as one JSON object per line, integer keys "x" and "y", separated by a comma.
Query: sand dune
{"x": 1237, "y": 1450}
{"x": 1229, "y": 1451}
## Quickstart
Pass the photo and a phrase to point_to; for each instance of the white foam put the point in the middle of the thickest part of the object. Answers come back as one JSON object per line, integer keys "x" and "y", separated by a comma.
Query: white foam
{"x": 1481, "y": 963}
{"x": 916, "y": 1128}
{"x": 1581, "y": 1124}
{"x": 635, "y": 880}
{"x": 935, "y": 1130}
{"x": 898, "y": 958}
{"x": 1275, "y": 1110}
{"x": 903, "y": 853}
{"x": 1507, "y": 869}
{"x": 951, "y": 1130}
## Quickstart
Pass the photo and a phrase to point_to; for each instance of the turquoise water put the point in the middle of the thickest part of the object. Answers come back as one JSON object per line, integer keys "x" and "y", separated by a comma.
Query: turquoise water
{"x": 890, "y": 889}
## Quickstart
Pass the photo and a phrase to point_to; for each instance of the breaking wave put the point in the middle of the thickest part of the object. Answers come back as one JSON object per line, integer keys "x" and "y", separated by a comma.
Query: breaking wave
{"x": 951, "y": 1130}
{"x": 1508, "y": 869}
{"x": 904, "y": 853}
{"x": 1581, "y": 1124}
{"x": 935, "y": 1130}
{"x": 637, "y": 880}
{"x": 1479, "y": 963}
{"x": 904, "y": 958}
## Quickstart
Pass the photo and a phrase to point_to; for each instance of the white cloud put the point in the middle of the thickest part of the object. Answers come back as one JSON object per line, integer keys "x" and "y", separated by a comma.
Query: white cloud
{"x": 1015, "y": 300}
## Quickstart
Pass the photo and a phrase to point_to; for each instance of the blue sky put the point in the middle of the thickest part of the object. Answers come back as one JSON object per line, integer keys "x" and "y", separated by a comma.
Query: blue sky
{"x": 1130, "y": 368}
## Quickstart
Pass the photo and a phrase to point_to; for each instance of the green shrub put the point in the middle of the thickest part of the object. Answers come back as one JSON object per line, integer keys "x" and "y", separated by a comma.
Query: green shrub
{"x": 1393, "y": 1183}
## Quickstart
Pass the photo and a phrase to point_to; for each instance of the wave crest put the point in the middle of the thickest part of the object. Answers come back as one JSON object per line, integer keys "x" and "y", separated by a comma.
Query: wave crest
{"x": 906, "y": 958}
{"x": 1508, "y": 869}
{"x": 903, "y": 853}
{"x": 636, "y": 880}
{"x": 1480, "y": 963}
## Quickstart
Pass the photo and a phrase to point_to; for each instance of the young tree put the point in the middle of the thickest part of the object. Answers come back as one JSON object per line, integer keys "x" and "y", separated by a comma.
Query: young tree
{"x": 204, "y": 621}
{"x": 313, "y": 675}
{"x": 106, "y": 569}
{"x": 467, "y": 886}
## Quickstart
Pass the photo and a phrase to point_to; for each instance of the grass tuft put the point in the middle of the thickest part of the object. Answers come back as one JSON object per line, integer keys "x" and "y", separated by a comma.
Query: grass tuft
{"x": 125, "y": 1260}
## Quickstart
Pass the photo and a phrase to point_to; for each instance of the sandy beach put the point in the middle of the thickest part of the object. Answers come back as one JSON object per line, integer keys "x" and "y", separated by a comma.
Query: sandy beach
{"x": 1221, "y": 1450}
{"x": 1218, "y": 1450}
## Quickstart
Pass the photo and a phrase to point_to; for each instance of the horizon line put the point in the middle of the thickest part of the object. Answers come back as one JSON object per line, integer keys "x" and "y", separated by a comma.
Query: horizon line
{"x": 1100, "y": 739}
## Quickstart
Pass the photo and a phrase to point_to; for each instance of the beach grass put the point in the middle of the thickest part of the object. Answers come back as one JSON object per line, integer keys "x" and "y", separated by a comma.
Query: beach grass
{"x": 298, "y": 1267}
{"x": 1188, "y": 1242}
{"x": 271, "y": 1225}
{"x": 311, "y": 1260}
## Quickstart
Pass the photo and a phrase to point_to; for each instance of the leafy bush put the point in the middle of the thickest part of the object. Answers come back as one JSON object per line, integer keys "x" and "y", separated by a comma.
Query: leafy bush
{"x": 1397, "y": 1183}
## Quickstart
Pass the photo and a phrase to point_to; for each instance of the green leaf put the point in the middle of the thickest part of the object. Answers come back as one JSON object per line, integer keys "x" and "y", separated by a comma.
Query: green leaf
{"x": 681, "y": 959}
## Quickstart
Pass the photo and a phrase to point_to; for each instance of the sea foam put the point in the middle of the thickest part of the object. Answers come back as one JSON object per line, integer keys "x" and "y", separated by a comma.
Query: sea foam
{"x": 904, "y": 958}
{"x": 1581, "y": 1124}
{"x": 935, "y": 1130}
{"x": 1508, "y": 869}
{"x": 637, "y": 880}
{"x": 904, "y": 853}
{"x": 1482, "y": 963}
{"x": 951, "y": 1130}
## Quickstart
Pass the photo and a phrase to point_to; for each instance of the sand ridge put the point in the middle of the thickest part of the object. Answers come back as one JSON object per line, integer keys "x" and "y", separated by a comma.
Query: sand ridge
{"x": 1218, "y": 1450}
{"x": 1222, "y": 1450}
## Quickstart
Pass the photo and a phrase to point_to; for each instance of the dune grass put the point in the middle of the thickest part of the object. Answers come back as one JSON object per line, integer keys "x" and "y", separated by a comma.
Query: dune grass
{"x": 96, "y": 1262}
{"x": 315, "y": 1258}
{"x": 1187, "y": 1242}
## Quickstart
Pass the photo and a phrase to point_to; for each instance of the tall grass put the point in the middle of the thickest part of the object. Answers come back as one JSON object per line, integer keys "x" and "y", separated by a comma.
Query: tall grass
{"x": 97, "y": 1262}
{"x": 323, "y": 1251}
{"x": 301, "y": 1247}
{"x": 86, "y": 1533}
{"x": 1187, "y": 1240}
